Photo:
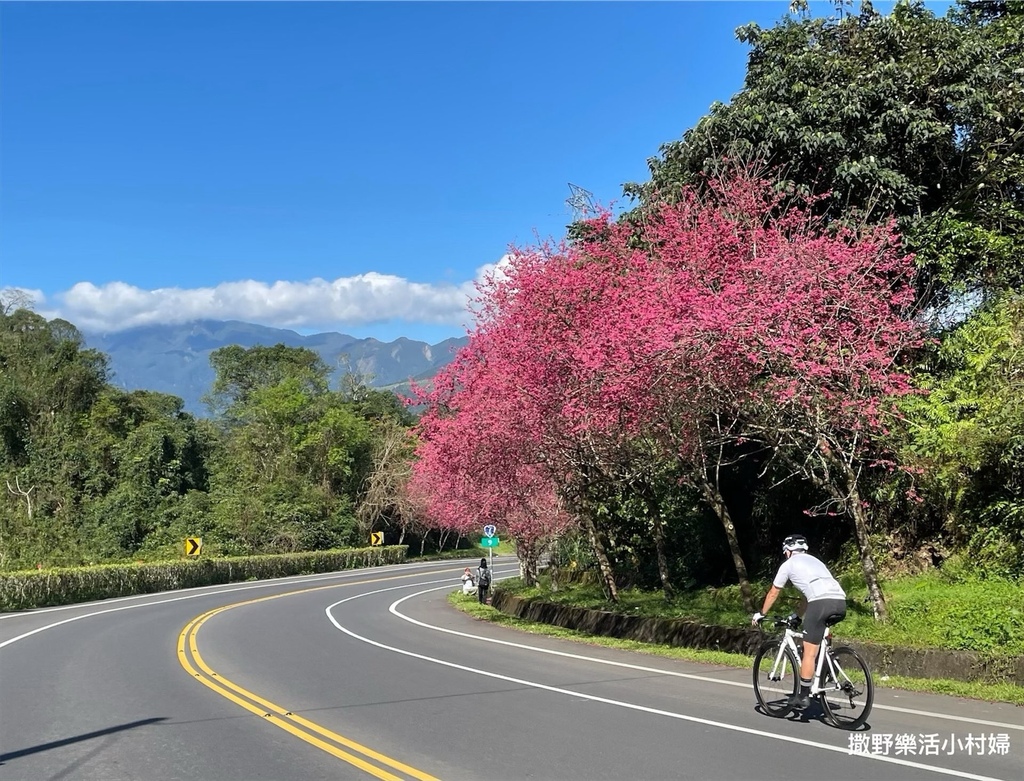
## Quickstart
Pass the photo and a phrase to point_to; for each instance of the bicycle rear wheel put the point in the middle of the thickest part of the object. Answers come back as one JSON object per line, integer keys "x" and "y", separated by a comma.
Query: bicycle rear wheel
{"x": 776, "y": 677}
{"x": 847, "y": 701}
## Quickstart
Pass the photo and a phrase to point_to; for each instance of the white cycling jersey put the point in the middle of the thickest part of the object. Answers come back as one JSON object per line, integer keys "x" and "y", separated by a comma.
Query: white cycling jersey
{"x": 810, "y": 576}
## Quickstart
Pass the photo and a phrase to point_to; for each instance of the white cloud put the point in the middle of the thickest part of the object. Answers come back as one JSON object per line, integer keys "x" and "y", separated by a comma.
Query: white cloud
{"x": 495, "y": 270}
{"x": 347, "y": 301}
{"x": 486, "y": 274}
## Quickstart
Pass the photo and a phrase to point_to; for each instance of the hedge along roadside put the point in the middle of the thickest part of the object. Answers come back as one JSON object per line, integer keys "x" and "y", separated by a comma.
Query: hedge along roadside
{"x": 925, "y": 663}
{"x": 65, "y": 586}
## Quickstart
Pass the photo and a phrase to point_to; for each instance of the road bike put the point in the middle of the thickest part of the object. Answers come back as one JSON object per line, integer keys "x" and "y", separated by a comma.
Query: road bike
{"x": 842, "y": 681}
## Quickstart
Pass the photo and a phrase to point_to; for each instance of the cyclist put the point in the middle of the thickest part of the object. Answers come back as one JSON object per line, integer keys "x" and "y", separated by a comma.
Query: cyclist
{"x": 826, "y": 605}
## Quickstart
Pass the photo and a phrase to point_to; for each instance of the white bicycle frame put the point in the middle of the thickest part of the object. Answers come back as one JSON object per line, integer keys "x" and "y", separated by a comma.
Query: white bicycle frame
{"x": 789, "y": 641}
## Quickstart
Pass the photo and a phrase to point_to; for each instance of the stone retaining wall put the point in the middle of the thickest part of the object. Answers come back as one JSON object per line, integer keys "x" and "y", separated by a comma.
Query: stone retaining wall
{"x": 884, "y": 660}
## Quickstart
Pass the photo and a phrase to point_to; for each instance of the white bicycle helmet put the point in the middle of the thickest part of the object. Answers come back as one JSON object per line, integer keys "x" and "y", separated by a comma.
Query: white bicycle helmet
{"x": 795, "y": 542}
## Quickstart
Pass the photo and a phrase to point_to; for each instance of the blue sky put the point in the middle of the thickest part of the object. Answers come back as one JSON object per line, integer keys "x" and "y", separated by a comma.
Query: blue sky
{"x": 327, "y": 166}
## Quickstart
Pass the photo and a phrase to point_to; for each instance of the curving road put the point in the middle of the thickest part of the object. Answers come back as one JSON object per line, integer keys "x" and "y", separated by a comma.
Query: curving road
{"x": 371, "y": 674}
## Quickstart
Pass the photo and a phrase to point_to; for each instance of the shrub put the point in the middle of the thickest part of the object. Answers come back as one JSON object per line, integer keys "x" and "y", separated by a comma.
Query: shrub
{"x": 44, "y": 588}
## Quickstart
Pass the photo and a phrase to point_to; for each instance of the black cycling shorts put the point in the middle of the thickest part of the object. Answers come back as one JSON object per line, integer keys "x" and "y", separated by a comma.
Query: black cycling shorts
{"x": 817, "y": 612}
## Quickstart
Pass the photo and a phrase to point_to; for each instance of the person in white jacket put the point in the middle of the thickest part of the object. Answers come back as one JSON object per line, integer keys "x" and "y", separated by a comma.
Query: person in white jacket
{"x": 468, "y": 582}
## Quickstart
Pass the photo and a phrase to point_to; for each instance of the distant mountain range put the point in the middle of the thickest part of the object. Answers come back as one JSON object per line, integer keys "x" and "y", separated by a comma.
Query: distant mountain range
{"x": 176, "y": 358}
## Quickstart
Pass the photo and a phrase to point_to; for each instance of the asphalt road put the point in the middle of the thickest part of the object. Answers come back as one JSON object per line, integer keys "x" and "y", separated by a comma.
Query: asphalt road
{"x": 371, "y": 674}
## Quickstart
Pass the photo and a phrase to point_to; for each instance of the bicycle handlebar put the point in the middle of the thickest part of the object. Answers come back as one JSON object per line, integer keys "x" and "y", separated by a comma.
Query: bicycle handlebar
{"x": 792, "y": 621}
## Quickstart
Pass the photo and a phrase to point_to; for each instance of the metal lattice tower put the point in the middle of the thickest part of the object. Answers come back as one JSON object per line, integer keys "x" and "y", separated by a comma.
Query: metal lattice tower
{"x": 581, "y": 202}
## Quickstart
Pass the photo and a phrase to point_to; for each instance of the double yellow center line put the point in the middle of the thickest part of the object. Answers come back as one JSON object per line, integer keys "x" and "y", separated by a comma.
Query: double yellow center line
{"x": 362, "y": 757}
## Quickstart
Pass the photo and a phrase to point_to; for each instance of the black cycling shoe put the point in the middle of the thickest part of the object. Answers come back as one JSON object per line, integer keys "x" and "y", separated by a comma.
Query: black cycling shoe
{"x": 800, "y": 701}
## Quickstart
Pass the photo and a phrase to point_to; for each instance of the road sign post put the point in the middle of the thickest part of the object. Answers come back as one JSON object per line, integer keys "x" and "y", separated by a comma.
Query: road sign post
{"x": 490, "y": 541}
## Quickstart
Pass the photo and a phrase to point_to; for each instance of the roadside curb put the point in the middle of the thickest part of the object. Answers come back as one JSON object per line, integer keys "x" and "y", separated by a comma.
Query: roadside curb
{"x": 884, "y": 660}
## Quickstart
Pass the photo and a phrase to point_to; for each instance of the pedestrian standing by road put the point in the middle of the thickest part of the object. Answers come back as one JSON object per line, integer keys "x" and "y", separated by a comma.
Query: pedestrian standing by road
{"x": 483, "y": 581}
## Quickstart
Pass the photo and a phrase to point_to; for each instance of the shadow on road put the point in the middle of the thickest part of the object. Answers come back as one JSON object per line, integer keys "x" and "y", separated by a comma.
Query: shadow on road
{"x": 77, "y": 739}
{"x": 814, "y": 713}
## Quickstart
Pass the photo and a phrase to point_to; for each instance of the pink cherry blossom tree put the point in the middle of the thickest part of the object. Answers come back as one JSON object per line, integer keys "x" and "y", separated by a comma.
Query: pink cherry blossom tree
{"x": 719, "y": 319}
{"x": 781, "y": 329}
{"x": 475, "y": 466}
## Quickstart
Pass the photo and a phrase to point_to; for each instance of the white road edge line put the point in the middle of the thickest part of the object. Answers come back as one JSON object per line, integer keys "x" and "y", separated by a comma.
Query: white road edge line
{"x": 619, "y": 703}
{"x": 691, "y": 676}
{"x": 238, "y": 586}
{"x": 298, "y": 579}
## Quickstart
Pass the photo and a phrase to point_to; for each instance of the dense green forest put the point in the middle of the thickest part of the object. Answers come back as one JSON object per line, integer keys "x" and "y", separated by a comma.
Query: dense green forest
{"x": 93, "y": 473}
{"x": 909, "y": 116}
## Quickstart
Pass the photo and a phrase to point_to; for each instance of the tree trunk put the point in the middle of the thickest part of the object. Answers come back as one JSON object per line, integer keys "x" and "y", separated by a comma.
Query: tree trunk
{"x": 555, "y": 573}
{"x": 864, "y": 547}
{"x": 659, "y": 548}
{"x": 527, "y": 562}
{"x": 23, "y": 493}
{"x": 658, "y": 533}
{"x": 714, "y": 497}
{"x": 611, "y": 592}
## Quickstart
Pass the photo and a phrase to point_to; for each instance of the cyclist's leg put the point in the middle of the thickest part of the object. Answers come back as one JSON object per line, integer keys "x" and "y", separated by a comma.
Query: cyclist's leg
{"x": 814, "y": 632}
{"x": 820, "y": 614}
{"x": 807, "y": 661}
{"x": 808, "y": 655}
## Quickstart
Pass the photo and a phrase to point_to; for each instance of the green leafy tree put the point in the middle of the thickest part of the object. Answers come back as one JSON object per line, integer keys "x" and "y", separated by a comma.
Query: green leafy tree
{"x": 906, "y": 114}
{"x": 967, "y": 437}
{"x": 240, "y": 372}
{"x": 293, "y": 455}
{"x": 48, "y": 382}
{"x": 89, "y": 470}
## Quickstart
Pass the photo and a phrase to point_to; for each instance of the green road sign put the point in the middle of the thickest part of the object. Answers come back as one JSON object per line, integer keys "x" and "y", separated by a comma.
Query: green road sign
{"x": 489, "y": 542}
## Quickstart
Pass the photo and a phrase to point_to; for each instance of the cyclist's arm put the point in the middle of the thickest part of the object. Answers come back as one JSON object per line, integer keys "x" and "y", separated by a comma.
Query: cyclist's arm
{"x": 769, "y": 599}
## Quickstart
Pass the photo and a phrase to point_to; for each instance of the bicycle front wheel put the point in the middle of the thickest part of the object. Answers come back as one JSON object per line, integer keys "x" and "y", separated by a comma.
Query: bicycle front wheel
{"x": 776, "y": 677}
{"x": 847, "y": 699}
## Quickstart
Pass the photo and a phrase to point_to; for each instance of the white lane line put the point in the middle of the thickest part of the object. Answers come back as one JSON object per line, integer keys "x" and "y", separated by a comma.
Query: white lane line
{"x": 343, "y": 574}
{"x": 914, "y": 712}
{"x": 690, "y": 676}
{"x": 85, "y": 605}
{"x": 300, "y": 580}
{"x": 629, "y": 705}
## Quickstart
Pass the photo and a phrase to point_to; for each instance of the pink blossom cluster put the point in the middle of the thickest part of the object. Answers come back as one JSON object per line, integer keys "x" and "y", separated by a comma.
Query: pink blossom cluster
{"x": 736, "y": 300}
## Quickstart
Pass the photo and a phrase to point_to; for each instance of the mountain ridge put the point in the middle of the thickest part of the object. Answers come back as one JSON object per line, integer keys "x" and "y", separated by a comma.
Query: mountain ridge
{"x": 175, "y": 359}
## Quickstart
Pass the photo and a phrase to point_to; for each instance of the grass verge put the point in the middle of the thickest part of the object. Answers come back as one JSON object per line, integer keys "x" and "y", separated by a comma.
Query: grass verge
{"x": 925, "y": 611}
{"x": 1003, "y": 692}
